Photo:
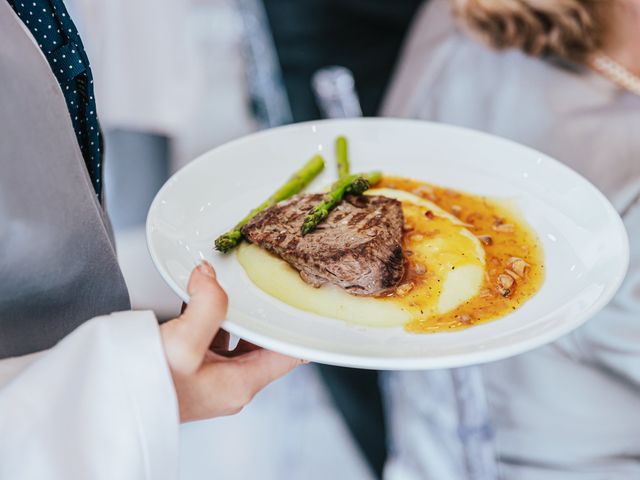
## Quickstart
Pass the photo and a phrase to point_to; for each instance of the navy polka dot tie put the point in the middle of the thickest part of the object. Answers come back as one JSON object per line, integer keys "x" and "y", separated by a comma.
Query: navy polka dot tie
{"x": 57, "y": 37}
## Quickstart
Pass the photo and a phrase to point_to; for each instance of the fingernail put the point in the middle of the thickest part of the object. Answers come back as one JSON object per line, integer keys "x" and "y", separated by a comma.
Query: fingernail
{"x": 206, "y": 269}
{"x": 304, "y": 362}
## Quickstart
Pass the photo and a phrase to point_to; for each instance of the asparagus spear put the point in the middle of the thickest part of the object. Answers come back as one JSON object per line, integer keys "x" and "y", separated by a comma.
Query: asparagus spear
{"x": 300, "y": 179}
{"x": 342, "y": 155}
{"x": 355, "y": 184}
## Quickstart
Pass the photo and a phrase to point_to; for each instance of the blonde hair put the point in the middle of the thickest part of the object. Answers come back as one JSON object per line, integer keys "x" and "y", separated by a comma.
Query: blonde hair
{"x": 569, "y": 29}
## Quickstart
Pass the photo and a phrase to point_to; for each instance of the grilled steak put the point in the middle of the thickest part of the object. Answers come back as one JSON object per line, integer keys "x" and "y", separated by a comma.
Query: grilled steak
{"x": 358, "y": 246}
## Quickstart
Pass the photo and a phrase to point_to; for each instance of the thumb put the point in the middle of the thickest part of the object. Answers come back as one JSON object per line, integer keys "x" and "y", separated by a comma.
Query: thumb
{"x": 190, "y": 335}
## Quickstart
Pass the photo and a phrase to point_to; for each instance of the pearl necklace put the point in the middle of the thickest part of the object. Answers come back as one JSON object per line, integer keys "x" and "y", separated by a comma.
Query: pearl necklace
{"x": 615, "y": 72}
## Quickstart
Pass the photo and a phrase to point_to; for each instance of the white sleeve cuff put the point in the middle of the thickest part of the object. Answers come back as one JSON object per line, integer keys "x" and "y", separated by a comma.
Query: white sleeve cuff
{"x": 139, "y": 352}
{"x": 101, "y": 404}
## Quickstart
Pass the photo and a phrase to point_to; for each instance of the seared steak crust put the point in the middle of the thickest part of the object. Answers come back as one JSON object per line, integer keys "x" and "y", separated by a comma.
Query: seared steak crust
{"x": 358, "y": 247}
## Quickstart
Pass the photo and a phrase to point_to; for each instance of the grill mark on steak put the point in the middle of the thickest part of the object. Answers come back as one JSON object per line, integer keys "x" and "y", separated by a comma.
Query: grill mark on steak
{"x": 358, "y": 247}
{"x": 357, "y": 218}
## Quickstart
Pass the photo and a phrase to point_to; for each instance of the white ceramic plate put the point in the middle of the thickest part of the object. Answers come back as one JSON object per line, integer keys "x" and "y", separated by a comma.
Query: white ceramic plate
{"x": 585, "y": 244}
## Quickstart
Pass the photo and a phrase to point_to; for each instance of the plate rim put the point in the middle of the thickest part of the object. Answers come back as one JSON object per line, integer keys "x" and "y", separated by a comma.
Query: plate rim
{"x": 475, "y": 357}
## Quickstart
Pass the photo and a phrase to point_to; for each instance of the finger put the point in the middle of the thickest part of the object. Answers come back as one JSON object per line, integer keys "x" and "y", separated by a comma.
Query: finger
{"x": 258, "y": 368}
{"x": 220, "y": 342}
{"x": 226, "y": 387}
{"x": 206, "y": 310}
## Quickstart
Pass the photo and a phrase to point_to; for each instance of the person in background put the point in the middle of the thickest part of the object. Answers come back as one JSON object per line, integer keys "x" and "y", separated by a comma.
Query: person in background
{"x": 562, "y": 76}
{"x": 86, "y": 393}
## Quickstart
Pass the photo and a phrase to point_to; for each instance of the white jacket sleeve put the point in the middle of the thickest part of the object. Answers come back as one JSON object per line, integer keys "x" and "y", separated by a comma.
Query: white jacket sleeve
{"x": 99, "y": 405}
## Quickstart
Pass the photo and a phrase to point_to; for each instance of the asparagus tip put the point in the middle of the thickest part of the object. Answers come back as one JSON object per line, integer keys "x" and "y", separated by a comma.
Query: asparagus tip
{"x": 228, "y": 241}
{"x": 359, "y": 185}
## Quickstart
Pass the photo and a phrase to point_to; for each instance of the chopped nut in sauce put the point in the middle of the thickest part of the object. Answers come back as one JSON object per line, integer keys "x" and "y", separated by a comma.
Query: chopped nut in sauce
{"x": 505, "y": 284}
{"x": 403, "y": 289}
{"x": 419, "y": 269}
{"x": 486, "y": 239}
{"x": 505, "y": 281}
{"x": 518, "y": 265}
{"x": 503, "y": 227}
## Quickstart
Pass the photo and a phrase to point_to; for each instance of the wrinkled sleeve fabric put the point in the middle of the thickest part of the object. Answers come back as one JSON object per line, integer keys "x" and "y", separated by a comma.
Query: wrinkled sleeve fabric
{"x": 99, "y": 405}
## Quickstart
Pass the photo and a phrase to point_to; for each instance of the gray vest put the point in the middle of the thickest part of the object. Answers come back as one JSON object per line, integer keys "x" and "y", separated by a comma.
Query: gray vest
{"x": 58, "y": 264}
